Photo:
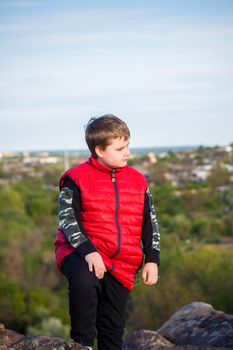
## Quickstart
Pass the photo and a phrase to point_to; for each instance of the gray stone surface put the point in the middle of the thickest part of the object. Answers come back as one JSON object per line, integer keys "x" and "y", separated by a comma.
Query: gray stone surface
{"x": 150, "y": 340}
{"x": 46, "y": 343}
{"x": 8, "y": 337}
{"x": 199, "y": 324}
{"x": 10, "y": 340}
{"x": 146, "y": 340}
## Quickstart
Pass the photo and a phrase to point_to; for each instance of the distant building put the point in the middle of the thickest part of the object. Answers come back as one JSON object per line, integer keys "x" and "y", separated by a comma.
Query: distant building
{"x": 172, "y": 178}
{"x": 152, "y": 158}
{"x": 201, "y": 172}
{"x": 228, "y": 149}
{"x": 40, "y": 160}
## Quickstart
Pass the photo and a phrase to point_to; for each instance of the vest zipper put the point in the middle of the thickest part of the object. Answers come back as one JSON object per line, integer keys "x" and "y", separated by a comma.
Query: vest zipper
{"x": 117, "y": 214}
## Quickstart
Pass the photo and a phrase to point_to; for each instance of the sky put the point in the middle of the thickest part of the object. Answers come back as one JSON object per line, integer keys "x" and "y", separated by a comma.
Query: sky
{"x": 164, "y": 66}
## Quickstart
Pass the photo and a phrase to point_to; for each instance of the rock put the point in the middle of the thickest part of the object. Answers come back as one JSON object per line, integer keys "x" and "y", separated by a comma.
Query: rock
{"x": 146, "y": 340}
{"x": 150, "y": 340}
{"x": 196, "y": 326}
{"x": 199, "y": 324}
{"x": 44, "y": 342}
{"x": 8, "y": 337}
{"x": 10, "y": 340}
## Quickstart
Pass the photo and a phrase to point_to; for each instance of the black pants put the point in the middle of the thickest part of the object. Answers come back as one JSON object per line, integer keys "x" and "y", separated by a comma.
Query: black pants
{"x": 97, "y": 306}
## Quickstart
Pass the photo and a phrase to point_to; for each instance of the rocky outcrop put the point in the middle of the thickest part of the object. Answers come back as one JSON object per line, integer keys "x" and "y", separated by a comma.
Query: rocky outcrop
{"x": 146, "y": 340}
{"x": 199, "y": 324}
{"x": 150, "y": 340}
{"x": 196, "y": 326}
{"x": 10, "y": 340}
{"x": 8, "y": 337}
{"x": 45, "y": 343}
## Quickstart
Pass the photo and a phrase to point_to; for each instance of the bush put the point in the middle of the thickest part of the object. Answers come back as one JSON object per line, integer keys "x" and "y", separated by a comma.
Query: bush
{"x": 203, "y": 274}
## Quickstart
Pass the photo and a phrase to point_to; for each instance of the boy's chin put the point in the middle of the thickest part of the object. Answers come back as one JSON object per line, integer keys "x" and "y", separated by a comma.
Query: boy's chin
{"x": 119, "y": 165}
{"x": 124, "y": 163}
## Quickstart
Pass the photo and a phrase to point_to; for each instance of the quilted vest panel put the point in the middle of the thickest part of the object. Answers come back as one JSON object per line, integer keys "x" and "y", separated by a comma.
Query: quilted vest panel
{"x": 112, "y": 214}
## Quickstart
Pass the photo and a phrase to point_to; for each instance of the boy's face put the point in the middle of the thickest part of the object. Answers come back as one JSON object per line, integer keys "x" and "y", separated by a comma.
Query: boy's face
{"x": 114, "y": 155}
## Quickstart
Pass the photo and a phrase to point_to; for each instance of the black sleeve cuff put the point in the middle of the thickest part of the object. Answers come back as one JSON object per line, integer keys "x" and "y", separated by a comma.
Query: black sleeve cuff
{"x": 85, "y": 248}
{"x": 152, "y": 256}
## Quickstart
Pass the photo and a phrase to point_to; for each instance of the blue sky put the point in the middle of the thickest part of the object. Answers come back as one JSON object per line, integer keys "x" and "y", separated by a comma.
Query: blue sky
{"x": 165, "y": 67}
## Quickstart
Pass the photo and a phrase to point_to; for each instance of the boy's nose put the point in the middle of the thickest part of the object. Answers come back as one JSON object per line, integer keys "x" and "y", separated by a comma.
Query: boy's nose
{"x": 127, "y": 152}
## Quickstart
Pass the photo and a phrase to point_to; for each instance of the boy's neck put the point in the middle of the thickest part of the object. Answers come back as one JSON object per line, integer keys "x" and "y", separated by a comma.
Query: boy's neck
{"x": 103, "y": 163}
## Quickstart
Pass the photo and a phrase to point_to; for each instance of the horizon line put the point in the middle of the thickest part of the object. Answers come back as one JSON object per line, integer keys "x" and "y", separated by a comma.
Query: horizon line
{"x": 132, "y": 148}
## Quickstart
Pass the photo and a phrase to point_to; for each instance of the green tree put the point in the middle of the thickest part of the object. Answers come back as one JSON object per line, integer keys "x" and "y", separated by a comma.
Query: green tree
{"x": 219, "y": 175}
{"x": 12, "y": 303}
{"x": 11, "y": 198}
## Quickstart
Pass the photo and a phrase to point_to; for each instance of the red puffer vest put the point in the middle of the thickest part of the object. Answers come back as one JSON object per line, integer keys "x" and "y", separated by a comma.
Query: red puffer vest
{"x": 112, "y": 215}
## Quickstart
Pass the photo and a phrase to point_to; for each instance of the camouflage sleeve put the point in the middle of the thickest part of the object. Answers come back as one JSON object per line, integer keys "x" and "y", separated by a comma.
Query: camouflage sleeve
{"x": 69, "y": 222}
{"x": 150, "y": 231}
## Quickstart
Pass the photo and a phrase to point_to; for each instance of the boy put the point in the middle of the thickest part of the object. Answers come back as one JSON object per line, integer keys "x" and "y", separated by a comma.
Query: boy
{"x": 105, "y": 211}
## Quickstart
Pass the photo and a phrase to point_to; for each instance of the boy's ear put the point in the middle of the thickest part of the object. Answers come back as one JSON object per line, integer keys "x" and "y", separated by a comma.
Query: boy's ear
{"x": 99, "y": 151}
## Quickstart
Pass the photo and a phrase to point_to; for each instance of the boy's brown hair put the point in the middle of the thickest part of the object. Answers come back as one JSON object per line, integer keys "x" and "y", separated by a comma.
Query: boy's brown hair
{"x": 102, "y": 130}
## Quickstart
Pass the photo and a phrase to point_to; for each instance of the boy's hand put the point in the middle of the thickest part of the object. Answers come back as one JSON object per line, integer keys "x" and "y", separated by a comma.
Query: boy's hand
{"x": 150, "y": 273}
{"x": 95, "y": 261}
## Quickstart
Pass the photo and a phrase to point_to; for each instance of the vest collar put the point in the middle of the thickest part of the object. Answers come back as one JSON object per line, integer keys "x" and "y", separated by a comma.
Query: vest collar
{"x": 95, "y": 163}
